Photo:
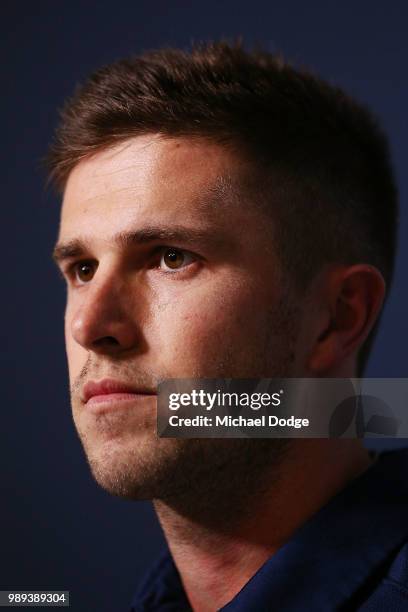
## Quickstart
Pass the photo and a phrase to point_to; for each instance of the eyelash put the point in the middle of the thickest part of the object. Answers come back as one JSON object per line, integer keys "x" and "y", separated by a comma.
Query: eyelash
{"x": 72, "y": 269}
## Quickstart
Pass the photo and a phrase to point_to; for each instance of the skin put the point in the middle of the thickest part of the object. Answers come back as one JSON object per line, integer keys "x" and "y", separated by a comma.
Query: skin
{"x": 227, "y": 310}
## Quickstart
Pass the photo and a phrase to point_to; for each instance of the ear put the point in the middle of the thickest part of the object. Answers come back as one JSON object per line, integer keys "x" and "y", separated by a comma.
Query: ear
{"x": 350, "y": 298}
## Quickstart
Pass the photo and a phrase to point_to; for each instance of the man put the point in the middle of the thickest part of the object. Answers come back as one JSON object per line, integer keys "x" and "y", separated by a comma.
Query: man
{"x": 225, "y": 215}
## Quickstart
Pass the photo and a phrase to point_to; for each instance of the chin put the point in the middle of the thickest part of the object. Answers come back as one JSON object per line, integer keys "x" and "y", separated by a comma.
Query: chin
{"x": 136, "y": 469}
{"x": 118, "y": 476}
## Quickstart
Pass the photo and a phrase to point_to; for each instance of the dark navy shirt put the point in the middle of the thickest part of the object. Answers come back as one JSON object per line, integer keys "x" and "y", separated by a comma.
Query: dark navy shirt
{"x": 351, "y": 555}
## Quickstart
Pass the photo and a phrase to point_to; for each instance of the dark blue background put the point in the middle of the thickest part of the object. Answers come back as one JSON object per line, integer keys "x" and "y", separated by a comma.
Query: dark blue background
{"x": 58, "y": 529}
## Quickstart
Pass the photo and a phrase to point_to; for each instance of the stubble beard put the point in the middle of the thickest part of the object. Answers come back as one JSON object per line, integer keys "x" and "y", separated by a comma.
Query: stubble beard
{"x": 194, "y": 475}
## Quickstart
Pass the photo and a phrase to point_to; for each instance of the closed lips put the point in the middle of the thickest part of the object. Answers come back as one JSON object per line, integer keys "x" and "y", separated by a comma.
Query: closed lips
{"x": 109, "y": 387}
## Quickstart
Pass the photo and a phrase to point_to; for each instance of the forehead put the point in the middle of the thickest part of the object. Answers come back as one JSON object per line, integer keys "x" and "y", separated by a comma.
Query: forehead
{"x": 150, "y": 178}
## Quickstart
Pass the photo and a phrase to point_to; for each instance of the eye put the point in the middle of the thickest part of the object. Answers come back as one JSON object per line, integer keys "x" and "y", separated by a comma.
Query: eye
{"x": 83, "y": 271}
{"x": 175, "y": 259}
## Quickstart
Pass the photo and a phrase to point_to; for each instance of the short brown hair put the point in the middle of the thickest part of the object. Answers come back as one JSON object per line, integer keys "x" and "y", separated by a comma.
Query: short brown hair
{"x": 322, "y": 152}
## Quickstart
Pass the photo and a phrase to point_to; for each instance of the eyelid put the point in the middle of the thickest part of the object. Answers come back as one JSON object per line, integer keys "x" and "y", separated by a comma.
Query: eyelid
{"x": 68, "y": 269}
{"x": 162, "y": 249}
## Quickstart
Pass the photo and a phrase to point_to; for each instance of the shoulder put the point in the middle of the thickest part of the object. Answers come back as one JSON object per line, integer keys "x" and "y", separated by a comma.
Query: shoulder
{"x": 392, "y": 592}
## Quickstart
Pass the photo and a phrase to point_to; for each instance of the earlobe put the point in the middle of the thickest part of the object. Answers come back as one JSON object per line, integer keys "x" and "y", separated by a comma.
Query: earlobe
{"x": 353, "y": 297}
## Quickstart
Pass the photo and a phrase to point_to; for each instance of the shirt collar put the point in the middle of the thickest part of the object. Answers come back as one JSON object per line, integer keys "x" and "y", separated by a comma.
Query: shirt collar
{"x": 327, "y": 560}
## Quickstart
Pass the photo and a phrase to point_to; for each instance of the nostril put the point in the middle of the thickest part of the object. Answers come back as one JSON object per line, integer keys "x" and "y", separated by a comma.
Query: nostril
{"x": 106, "y": 341}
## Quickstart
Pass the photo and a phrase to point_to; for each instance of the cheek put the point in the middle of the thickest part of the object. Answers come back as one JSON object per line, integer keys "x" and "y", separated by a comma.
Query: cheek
{"x": 200, "y": 327}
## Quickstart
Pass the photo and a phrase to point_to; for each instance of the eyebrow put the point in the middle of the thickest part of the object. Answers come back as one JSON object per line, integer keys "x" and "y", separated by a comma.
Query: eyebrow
{"x": 77, "y": 247}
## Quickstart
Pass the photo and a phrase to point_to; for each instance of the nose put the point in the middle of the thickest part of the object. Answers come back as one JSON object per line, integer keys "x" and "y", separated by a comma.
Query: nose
{"x": 105, "y": 319}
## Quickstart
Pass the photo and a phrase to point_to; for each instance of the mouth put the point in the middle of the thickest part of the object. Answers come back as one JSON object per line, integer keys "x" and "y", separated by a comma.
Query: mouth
{"x": 110, "y": 391}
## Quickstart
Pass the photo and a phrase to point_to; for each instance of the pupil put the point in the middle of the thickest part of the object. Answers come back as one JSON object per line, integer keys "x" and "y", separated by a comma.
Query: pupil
{"x": 84, "y": 270}
{"x": 173, "y": 258}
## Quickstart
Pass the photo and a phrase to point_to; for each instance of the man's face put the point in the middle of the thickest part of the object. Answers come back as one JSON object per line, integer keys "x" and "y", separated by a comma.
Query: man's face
{"x": 171, "y": 274}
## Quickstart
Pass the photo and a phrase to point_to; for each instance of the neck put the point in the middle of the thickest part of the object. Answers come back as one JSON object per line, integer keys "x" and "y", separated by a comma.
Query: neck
{"x": 217, "y": 551}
